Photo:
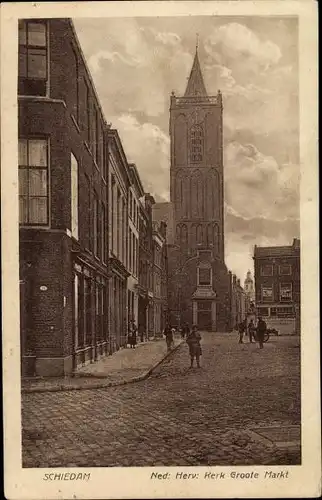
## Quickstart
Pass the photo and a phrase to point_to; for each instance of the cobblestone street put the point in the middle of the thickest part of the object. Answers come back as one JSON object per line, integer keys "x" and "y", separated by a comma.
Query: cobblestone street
{"x": 178, "y": 416}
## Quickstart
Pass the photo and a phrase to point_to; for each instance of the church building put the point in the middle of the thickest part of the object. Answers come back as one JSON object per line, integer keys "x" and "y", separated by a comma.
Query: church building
{"x": 199, "y": 282}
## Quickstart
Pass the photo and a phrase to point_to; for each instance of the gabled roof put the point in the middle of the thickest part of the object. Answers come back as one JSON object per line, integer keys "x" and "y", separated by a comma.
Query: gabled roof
{"x": 196, "y": 85}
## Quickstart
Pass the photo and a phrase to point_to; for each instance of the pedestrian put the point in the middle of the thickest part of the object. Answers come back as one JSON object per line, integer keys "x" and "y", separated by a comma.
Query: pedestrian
{"x": 261, "y": 330}
{"x": 185, "y": 331}
{"x": 251, "y": 330}
{"x": 193, "y": 341}
{"x": 168, "y": 332}
{"x": 132, "y": 334}
{"x": 241, "y": 330}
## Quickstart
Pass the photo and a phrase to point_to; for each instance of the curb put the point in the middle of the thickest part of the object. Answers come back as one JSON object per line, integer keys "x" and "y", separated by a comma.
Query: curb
{"x": 102, "y": 385}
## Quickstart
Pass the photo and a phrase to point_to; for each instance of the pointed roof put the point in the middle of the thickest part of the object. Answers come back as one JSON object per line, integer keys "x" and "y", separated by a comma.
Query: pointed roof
{"x": 196, "y": 85}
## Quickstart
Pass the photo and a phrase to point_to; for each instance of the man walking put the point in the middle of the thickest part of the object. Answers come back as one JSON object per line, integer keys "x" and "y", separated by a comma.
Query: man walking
{"x": 168, "y": 336}
{"x": 241, "y": 330}
{"x": 251, "y": 328}
{"x": 185, "y": 331}
{"x": 261, "y": 330}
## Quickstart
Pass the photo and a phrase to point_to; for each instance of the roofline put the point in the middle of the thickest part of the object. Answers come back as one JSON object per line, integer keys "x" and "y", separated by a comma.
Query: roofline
{"x": 113, "y": 134}
{"x": 88, "y": 73}
{"x": 134, "y": 169}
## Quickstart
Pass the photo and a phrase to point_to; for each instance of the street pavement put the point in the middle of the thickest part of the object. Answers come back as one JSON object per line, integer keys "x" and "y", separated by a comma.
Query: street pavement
{"x": 124, "y": 366}
{"x": 178, "y": 416}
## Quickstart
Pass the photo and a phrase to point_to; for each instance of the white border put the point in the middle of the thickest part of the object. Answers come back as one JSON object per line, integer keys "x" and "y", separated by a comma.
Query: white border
{"x": 305, "y": 480}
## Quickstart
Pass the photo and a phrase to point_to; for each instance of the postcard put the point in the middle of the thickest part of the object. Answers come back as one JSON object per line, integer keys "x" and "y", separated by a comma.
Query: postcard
{"x": 160, "y": 250}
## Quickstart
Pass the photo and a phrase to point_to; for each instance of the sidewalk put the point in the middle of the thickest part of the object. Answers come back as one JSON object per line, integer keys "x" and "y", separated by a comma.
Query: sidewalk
{"x": 123, "y": 367}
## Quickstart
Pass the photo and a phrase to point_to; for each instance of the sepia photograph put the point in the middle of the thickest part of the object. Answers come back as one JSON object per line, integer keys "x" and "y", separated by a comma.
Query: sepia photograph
{"x": 160, "y": 244}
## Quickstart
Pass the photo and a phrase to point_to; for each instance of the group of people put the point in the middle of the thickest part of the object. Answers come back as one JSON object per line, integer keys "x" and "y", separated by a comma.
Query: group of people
{"x": 255, "y": 333}
{"x": 192, "y": 337}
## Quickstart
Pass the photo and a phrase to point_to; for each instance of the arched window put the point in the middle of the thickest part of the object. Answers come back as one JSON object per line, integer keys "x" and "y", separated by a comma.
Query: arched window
{"x": 196, "y": 144}
{"x": 216, "y": 238}
{"x": 199, "y": 236}
{"x": 204, "y": 274}
{"x": 182, "y": 234}
{"x": 210, "y": 240}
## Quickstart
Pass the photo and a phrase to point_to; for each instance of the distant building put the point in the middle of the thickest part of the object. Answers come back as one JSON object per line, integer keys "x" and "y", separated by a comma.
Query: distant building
{"x": 278, "y": 286}
{"x": 238, "y": 304}
{"x": 249, "y": 287}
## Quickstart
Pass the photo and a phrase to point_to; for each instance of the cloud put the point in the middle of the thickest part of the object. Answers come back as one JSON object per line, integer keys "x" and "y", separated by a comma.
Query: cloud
{"x": 257, "y": 184}
{"x": 236, "y": 42}
{"x": 147, "y": 146}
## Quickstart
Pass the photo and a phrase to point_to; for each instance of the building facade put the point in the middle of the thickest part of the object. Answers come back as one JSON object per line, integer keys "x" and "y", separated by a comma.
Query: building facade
{"x": 159, "y": 277}
{"x": 63, "y": 203}
{"x": 198, "y": 277}
{"x": 238, "y": 302}
{"x": 278, "y": 286}
{"x": 145, "y": 284}
{"x": 136, "y": 192}
{"x": 119, "y": 189}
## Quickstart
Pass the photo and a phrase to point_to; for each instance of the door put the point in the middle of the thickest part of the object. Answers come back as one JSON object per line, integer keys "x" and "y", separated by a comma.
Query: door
{"x": 204, "y": 315}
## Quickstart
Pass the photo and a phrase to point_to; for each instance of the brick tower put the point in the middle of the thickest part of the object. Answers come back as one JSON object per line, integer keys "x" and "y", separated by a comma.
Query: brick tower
{"x": 199, "y": 293}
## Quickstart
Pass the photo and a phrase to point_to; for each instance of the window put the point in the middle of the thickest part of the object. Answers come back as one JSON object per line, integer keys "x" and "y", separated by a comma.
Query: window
{"x": 262, "y": 311}
{"x": 285, "y": 292}
{"x": 95, "y": 226}
{"x": 33, "y": 54}
{"x": 88, "y": 230}
{"x": 285, "y": 312}
{"x": 85, "y": 101}
{"x": 267, "y": 293}
{"x": 285, "y": 269}
{"x": 204, "y": 305}
{"x": 273, "y": 312}
{"x": 267, "y": 270}
{"x": 206, "y": 254}
{"x": 103, "y": 232}
{"x": 196, "y": 144}
{"x": 95, "y": 136}
{"x": 204, "y": 276}
{"x": 33, "y": 181}
{"x": 88, "y": 311}
{"x": 74, "y": 196}
{"x": 76, "y": 102}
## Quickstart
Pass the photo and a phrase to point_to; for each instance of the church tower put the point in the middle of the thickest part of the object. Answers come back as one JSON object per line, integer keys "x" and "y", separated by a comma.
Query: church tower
{"x": 196, "y": 171}
{"x": 197, "y": 197}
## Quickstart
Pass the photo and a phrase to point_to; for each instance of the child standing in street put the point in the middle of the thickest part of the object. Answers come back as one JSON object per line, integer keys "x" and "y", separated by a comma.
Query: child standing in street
{"x": 193, "y": 341}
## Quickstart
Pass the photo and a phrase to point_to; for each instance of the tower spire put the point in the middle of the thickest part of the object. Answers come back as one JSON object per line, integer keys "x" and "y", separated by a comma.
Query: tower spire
{"x": 196, "y": 85}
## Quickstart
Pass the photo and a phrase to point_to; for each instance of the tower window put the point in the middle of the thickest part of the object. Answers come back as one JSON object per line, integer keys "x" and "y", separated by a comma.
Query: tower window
{"x": 196, "y": 144}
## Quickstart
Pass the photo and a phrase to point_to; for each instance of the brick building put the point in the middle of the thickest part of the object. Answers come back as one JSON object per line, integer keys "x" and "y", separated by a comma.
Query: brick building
{"x": 198, "y": 277}
{"x": 145, "y": 284}
{"x": 159, "y": 276}
{"x": 63, "y": 200}
{"x": 278, "y": 286}
{"x": 136, "y": 192}
{"x": 119, "y": 182}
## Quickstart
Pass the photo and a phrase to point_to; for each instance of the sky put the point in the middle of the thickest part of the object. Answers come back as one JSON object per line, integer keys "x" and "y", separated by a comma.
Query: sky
{"x": 136, "y": 63}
